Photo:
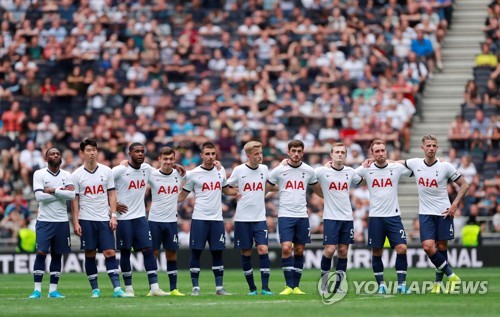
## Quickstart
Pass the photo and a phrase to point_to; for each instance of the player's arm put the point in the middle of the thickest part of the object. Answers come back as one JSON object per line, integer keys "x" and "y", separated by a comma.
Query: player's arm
{"x": 229, "y": 191}
{"x": 270, "y": 187}
{"x": 75, "y": 211}
{"x": 317, "y": 189}
{"x": 42, "y": 194}
{"x": 180, "y": 169}
{"x": 464, "y": 187}
{"x": 182, "y": 195}
{"x": 66, "y": 193}
{"x": 113, "y": 207}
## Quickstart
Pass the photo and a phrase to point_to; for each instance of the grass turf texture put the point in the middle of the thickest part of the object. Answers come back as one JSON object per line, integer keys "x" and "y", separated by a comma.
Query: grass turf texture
{"x": 15, "y": 289}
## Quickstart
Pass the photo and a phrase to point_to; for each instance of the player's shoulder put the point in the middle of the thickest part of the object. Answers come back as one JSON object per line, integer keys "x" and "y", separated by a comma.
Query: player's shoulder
{"x": 103, "y": 168}
{"x": 119, "y": 168}
{"x": 263, "y": 167}
{"x": 65, "y": 173}
{"x": 146, "y": 166}
{"x": 306, "y": 167}
{"x": 40, "y": 172}
{"x": 78, "y": 170}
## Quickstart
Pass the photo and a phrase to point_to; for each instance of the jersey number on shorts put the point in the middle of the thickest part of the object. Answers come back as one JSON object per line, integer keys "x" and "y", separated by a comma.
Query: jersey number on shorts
{"x": 403, "y": 234}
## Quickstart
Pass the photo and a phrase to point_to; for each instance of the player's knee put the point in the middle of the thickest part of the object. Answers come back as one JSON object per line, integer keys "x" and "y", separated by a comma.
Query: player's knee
{"x": 342, "y": 251}
{"x": 92, "y": 253}
{"x": 401, "y": 249}
{"x": 429, "y": 247}
{"x": 246, "y": 252}
{"x": 377, "y": 251}
{"x": 286, "y": 250}
{"x": 442, "y": 245}
{"x": 107, "y": 253}
{"x": 171, "y": 255}
{"x": 262, "y": 249}
{"x": 329, "y": 251}
{"x": 298, "y": 250}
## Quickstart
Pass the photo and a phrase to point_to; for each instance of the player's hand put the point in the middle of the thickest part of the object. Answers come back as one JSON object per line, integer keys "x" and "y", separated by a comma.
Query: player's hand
{"x": 284, "y": 162}
{"x": 441, "y": 159}
{"x": 450, "y": 211}
{"x": 77, "y": 229}
{"x": 121, "y": 208}
{"x": 68, "y": 187}
{"x": 49, "y": 190}
{"x": 368, "y": 162}
{"x": 217, "y": 165}
{"x": 238, "y": 196}
{"x": 181, "y": 169}
{"x": 113, "y": 223}
{"x": 328, "y": 164}
{"x": 124, "y": 163}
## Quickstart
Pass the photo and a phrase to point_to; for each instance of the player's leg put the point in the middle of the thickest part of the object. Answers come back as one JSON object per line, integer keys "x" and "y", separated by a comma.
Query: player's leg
{"x": 244, "y": 241}
{"x": 43, "y": 242}
{"x": 376, "y": 238}
{"x": 171, "y": 244}
{"x": 89, "y": 243}
{"x": 397, "y": 238}
{"x": 445, "y": 232}
{"x": 61, "y": 244}
{"x": 260, "y": 235}
{"x": 301, "y": 237}
{"x": 217, "y": 243}
{"x": 124, "y": 239}
{"x": 330, "y": 239}
{"x": 286, "y": 232}
{"x": 198, "y": 236}
{"x": 346, "y": 237}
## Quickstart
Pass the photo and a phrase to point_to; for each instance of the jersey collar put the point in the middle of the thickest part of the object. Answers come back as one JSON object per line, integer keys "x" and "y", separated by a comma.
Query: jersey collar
{"x": 253, "y": 169}
{"x": 430, "y": 164}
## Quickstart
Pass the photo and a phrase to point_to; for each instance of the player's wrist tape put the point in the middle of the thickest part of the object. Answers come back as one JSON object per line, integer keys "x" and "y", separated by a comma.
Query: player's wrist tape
{"x": 113, "y": 214}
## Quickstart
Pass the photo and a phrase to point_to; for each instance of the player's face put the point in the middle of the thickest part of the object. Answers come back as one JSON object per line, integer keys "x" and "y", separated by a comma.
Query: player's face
{"x": 208, "y": 156}
{"x": 137, "y": 154}
{"x": 379, "y": 153}
{"x": 89, "y": 154}
{"x": 54, "y": 158}
{"x": 430, "y": 148}
{"x": 338, "y": 154}
{"x": 167, "y": 161}
{"x": 295, "y": 154}
{"x": 255, "y": 157}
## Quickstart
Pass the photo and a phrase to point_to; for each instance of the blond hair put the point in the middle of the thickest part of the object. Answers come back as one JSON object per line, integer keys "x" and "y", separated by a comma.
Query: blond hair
{"x": 429, "y": 137}
{"x": 250, "y": 146}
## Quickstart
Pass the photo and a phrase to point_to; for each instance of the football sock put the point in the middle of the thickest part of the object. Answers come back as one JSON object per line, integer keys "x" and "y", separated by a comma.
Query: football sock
{"x": 439, "y": 273}
{"x": 151, "y": 267}
{"x": 91, "y": 270}
{"x": 126, "y": 268}
{"x": 265, "y": 270}
{"x": 378, "y": 268}
{"x": 340, "y": 270}
{"x": 248, "y": 271}
{"x": 401, "y": 268}
{"x": 55, "y": 271}
{"x": 194, "y": 267}
{"x": 287, "y": 266}
{"x": 38, "y": 270}
{"x": 440, "y": 263}
{"x": 172, "y": 274}
{"x": 298, "y": 265}
{"x": 112, "y": 270}
{"x": 218, "y": 268}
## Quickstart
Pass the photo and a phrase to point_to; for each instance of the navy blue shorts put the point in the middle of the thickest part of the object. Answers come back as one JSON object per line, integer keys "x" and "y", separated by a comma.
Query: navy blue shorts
{"x": 164, "y": 233}
{"x": 133, "y": 233}
{"x": 294, "y": 230}
{"x": 245, "y": 233}
{"x": 54, "y": 236}
{"x": 381, "y": 227}
{"x": 438, "y": 228}
{"x": 207, "y": 230}
{"x": 96, "y": 235}
{"x": 338, "y": 232}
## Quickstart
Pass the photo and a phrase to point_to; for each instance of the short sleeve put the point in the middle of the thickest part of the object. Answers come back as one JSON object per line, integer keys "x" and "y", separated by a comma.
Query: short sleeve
{"x": 189, "y": 185}
{"x": 111, "y": 181}
{"x": 451, "y": 172}
{"x": 356, "y": 179}
{"x": 313, "y": 180}
{"x": 233, "y": 179}
{"x": 38, "y": 181}
{"x": 361, "y": 171}
{"x": 224, "y": 177}
{"x": 273, "y": 176}
{"x": 74, "y": 178}
{"x": 405, "y": 171}
{"x": 410, "y": 163}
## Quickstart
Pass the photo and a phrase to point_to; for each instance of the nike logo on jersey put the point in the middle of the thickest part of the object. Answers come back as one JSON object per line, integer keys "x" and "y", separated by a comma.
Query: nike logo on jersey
{"x": 46, "y": 182}
{"x": 243, "y": 176}
{"x": 284, "y": 174}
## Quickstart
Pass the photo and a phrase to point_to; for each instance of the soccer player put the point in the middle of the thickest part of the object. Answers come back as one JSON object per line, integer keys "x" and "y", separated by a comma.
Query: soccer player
{"x": 382, "y": 179}
{"x": 53, "y": 187}
{"x": 250, "y": 219}
{"x": 435, "y": 211}
{"x": 293, "y": 222}
{"x": 133, "y": 230}
{"x": 335, "y": 181}
{"x": 166, "y": 183}
{"x": 94, "y": 216}
{"x": 207, "y": 183}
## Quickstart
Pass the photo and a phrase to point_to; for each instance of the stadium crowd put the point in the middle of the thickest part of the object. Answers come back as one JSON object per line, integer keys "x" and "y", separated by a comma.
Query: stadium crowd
{"x": 183, "y": 73}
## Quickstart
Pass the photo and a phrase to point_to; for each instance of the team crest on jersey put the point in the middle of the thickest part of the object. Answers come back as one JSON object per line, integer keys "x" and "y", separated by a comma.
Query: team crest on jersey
{"x": 303, "y": 175}
{"x": 261, "y": 176}
{"x": 391, "y": 173}
{"x": 347, "y": 176}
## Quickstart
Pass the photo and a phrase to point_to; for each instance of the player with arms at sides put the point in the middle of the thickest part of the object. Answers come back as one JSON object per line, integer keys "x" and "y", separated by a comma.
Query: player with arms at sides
{"x": 382, "y": 179}
{"x": 435, "y": 211}
{"x": 94, "y": 216}
{"x": 250, "y": 219}
{"x": 166, "y": 184}
{"x": 335, "y": 180}
{"x": 291, "y": 181}
{"x": 133, "y": 229}
{"x": 208, "y": 183}
{"x": 53, "y": 187}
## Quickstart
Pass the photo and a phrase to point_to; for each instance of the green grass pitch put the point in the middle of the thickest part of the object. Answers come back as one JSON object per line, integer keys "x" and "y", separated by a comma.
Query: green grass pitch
{"x": 14, "y": 290}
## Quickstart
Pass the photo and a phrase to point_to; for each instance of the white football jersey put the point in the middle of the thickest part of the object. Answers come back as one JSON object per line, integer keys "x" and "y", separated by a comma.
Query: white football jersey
{"x": 92, "y": 189}
{"x": 251, "y": 184}
{"x": 207, "y": 187}
{"x": 432, "y": 181}
{"x": 292, "y": 183}
{"x": 131, "y": 188}
{"x": 383, "y": 187}
{"x": 165, "y": 190}
{"x": 54, "y": 211}
{"x": 335, "y": 185}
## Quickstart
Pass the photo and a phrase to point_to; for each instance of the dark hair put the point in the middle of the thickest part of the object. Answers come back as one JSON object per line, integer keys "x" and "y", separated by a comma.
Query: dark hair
{"x": 207, "y": 145}
{"x": 133, "y": 145}
{"x": 52, "y": 148}
{"x": 166, "y": 150}
{"x": 295, "y": 143}
{"x": 91, "y": 142}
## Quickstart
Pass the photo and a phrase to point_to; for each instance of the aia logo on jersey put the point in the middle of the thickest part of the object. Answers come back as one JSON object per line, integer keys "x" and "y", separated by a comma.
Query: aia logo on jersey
{"x": 382, "y": 182}
{"x": 93, "y": 190}
{"x": 253, "y": 187}
{"x": 167, "y": 190}
{"x": 210, "y": 186}
{"x": 294, "y": 185}
{"x": 427, "y": 182}
{"x": 138, "y": 184}
{"x": 338, "y": 186}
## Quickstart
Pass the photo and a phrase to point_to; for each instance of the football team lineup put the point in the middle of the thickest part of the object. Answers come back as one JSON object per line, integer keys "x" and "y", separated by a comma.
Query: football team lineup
{"x": 105, "y": 200}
